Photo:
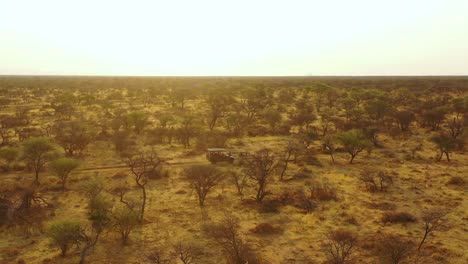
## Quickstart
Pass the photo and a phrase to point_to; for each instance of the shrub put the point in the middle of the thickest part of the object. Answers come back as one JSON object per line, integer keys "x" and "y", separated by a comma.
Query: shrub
{"x": 266, "y": 229}
{"x": 383, "y": 206}
{"x": 269, "y": 207}
{"x": 226, "y": 234}
{"x": 299, "y": 199}
{"x": 456, "y": 180}
{"x": 125, "y": 220}
{"x": 322, "y": 191}
{"x": 393, "y": 249}
{"x": 398, "y": 217}
{"x": 9, "y": 155}
{"x": 159, "y": 173}
{"x": 92, "y": 187}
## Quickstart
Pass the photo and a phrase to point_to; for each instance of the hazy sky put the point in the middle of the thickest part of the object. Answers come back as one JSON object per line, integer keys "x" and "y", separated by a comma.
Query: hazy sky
{"x": 198, "y": 37}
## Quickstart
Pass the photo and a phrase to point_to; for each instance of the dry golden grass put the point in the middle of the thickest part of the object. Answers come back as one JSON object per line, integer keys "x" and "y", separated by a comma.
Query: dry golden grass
{"x": 283, "y": 234}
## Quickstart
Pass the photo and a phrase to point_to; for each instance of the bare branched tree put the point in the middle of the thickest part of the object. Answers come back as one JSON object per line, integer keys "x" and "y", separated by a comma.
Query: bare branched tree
{"x": 338, "y": 245}
{"x": 227, "y": 236}
{"x": 259, "y": 167}
{"x": 375, "y": 180}
{"x": 187, "y": 253}
{"x": 160, "y": 255}
{"x": 240, "y": 181}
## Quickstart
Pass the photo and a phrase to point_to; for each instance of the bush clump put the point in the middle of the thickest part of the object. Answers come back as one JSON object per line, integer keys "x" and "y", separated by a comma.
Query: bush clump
{"x": 456, "y": 180}
{"x": 398, "y": 217}
{"x": 322, "y": 191}
{"x": 269, "y": 207}
{"x": 266, "y": 229}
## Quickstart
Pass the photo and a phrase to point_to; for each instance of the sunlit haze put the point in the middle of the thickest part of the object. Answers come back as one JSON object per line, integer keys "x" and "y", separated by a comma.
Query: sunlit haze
{"x": 363, "y": 37}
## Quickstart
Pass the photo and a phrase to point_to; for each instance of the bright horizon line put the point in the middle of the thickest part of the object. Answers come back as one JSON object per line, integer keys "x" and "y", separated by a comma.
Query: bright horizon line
{"x": 203, "y": 76}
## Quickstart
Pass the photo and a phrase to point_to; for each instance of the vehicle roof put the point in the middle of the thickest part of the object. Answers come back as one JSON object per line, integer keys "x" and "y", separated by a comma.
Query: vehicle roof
{"x": 216, "y": 149}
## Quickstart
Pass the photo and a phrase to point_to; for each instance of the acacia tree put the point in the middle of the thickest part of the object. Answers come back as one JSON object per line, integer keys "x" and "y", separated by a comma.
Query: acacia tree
{"x": 65, "y": 233}
{"x": 125, "y": 221}
{"x": 328, "y": 145}
{"x": 433, "y": 219}
{"x": 348, "y": 104}
{"x": 62, "y": 168}
{"x": 339, "y": 245}
{"x": 327, "y": 120}
{"x": 74, "y": 136}
{"x": 123, "y": 142}
{"x": 308, "y": 136}
{"x": 456, "y": 127}
{"x": 253, "y": 101}
{"x": 272, "y": 117}
{"x": 9, "y": 155}
{"x": 354, "y": 141}
{"x": 179, "y": 95}
{"x": 5, "y": 134}
{"x": 378, "y": 108}
{"x": 218, "y": 102}
{"x": 160, "y": 255}
{"x": 303, "y": 113}
{"x": 325, "y": 95}
{"x": 142, "y": 165}
{"x": 375, "y": 180}
{"x": 187, "y": 253}
{"x": 37, "y": 152}
{"x": 404, "y": 119}
{"x": 138, "y": 120}
{"x": 289, "y": 155}
{"x": 240, "y": 180}
{"x": 433, "y": 117}
{"x": 202, "y": 179}
{"x": 459, "y": 105}
{"x": 100, "y": 216}
{"x": 445, "y": 145}
{"x": 187, "y": 129}
{"x": 64, "y": 104}
{"x": 259, "y": 167}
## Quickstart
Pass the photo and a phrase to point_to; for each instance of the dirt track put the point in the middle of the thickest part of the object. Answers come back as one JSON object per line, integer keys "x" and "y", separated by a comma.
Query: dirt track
{"x": 117, "y": 166}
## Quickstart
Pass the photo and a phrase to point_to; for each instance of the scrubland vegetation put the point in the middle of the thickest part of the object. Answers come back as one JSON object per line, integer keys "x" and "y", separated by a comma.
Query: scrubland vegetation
{"x": 335, "y": 170}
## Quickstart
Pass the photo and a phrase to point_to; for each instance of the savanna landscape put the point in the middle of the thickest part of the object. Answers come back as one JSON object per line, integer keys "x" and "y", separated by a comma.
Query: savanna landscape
{"x": 234, "y": 170}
